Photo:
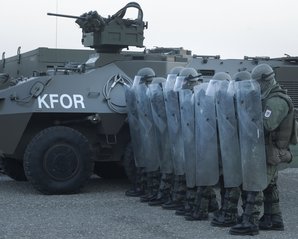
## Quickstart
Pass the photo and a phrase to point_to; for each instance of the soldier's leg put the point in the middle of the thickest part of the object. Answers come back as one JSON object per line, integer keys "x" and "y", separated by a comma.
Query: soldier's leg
{"x": 250, "y": 218}
{"x": 178, "y": 194}
{"x": 153, "y": 180}
{"x": 189, "y": 202}
{"x": 228, "y": 214}
{"x": 201, "y": 206}
{"x": 139, "y": 185}
{"x": 213, "y": 204}
{"x": 272, "y": 218}
{"x": 164, "y": 191}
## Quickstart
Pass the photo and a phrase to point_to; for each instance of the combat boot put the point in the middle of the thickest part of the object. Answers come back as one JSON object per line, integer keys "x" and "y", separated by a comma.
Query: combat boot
{"x": 178, "y": 194}
{"x": 227, "y": 216}
{"x": 134, "y": 192}
{"x": 271, "y": 222}
{"x": 139, "y": 185}
{"x": 189, "y": 202}
{"x": 153, "y": 179}
{"x": 246, "y": 227}
{"x": 224, "y": 219}
{"x": 164, "y": 192}
{"x": 200, "y": 211}
{"x": 213, "y": 204}
{"x": 250, "y": 218}
{"x": 272, "y": 218}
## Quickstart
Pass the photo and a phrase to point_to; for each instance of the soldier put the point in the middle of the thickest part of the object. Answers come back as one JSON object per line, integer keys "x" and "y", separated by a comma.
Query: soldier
{"x": 279, "y": 128}
{"x": 205, "y": 197}
{"x": 166, "y": 192}
{"x": 149, "y": 142}
{"x": 178, "y": 192}
{"x": 144, "y": 144}
{"x": 186, "y": 101}
{"x": 162, "y": 137}
{"x": 228, "y": 213}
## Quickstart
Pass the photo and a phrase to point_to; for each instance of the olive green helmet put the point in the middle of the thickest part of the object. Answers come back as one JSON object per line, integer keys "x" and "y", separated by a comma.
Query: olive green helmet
{"x": 241, "y": 75}
{"x": 262, "y": 72}
{"x": 264, "y": 75}
{"x": 190, "y": 74}
{"x": 222, "y": 76}
{"x": 176, "y": 70}
{"x": 146, "y": 73}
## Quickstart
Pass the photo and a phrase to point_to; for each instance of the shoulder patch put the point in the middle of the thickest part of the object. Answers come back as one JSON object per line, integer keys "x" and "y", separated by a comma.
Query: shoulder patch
{"x": 267, "y": 113}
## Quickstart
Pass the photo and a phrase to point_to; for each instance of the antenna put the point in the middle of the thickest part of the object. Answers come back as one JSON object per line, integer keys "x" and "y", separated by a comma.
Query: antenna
{"x": 56, "y": 45}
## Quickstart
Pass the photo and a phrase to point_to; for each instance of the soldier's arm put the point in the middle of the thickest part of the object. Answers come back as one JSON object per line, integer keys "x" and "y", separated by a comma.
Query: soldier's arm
{"x": 275, "y": 110}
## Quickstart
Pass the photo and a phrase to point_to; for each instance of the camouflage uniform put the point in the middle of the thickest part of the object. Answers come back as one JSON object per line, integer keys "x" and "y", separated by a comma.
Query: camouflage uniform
{"x": 276, "y": 110}
{"x": 278, "y": 125}
{"x": 204, "y": 202}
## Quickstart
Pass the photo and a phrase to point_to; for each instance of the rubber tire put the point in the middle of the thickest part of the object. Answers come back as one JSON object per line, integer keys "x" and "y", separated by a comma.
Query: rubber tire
{"x": 13, "y": 169}
{"x": 128, "y": 163}
{"x": 40, "y": 165}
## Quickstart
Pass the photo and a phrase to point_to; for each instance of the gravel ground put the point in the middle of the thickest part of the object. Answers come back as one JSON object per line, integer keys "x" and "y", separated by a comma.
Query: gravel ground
{"x": 102, "y": 211}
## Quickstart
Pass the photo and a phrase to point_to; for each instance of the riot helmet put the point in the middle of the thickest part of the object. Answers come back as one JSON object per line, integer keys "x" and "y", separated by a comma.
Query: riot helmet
{"x": 264, "y": 75}
{"x": 190, "y": 74}
{"x": 176, "y": 70}
{"x": 147, "y": 74}
{"x": 189, "y": 77}
{"x": 241, "y": 75}
{"x": 222, "y": 76}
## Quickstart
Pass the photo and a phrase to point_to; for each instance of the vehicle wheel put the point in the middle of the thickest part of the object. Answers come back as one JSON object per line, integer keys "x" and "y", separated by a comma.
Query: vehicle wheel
{"x": 128, "y": 163}
{"x": 58, "y": 160}
{"x": 14, "y": 169}
{"x": 109, "y": 170}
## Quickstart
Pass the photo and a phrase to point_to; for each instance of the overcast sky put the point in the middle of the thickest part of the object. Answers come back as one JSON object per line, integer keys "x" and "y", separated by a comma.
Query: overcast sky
{"x": 229, "y": 28}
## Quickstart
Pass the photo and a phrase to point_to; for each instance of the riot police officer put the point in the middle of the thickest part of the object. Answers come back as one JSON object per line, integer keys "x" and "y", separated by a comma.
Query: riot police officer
{"x": 228, "y": 213}
{"x": 279, "y": 127}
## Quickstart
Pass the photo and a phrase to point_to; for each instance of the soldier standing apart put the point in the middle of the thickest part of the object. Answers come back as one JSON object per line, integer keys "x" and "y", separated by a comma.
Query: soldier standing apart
{"x": 279, "y": 128}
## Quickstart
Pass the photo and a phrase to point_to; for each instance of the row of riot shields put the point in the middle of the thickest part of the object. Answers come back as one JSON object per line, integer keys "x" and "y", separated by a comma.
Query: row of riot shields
{"x": 215, "y": 127}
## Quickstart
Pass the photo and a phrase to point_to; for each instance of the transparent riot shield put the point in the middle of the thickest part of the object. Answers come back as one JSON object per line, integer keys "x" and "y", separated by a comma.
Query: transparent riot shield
{"x": 149, "y": 141}
{"x": 228, "y": 135}
{"x": 251, "y": 135}
{"x": 186, "y": 98}
{"x": 133, "y": 121}
{"x": 160, "y": 123}
{"x": 174, "y": 124}
{"x": 170, "y": 82}
{"x": 207, "y": 165}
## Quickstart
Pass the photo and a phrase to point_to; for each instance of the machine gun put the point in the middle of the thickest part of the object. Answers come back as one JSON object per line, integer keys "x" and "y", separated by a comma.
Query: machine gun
{"x": 112, "y": 34}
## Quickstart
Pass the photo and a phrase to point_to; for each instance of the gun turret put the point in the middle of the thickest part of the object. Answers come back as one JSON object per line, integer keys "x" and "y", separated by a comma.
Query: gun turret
{"x": 112, "y": 34}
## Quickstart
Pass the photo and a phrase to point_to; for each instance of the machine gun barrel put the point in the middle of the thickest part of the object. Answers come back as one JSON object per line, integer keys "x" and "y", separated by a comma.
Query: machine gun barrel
{"x": 63, "y": 15}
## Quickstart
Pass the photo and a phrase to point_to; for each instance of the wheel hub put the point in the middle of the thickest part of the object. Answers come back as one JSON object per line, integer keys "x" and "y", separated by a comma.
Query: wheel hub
{"x": 61, "y": 162}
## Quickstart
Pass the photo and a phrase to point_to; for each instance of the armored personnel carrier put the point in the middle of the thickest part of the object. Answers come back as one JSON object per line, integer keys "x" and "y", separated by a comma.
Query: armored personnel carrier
{"x": 61, "y": 122}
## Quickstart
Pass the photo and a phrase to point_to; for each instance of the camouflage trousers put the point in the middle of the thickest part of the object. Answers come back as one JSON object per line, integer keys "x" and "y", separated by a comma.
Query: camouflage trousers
{"x": 179, "y": 188}
{"x": 270, "y": 196}
{"x": 141, "y": 179}
{"x": 230, "y": 200}
{"x": 252, "y": 206}
{"x": 205, "y": 200}
{"x": 166, "y": 185}
{"x": 153, "y": 181}
{"x": 271, "y": 193}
